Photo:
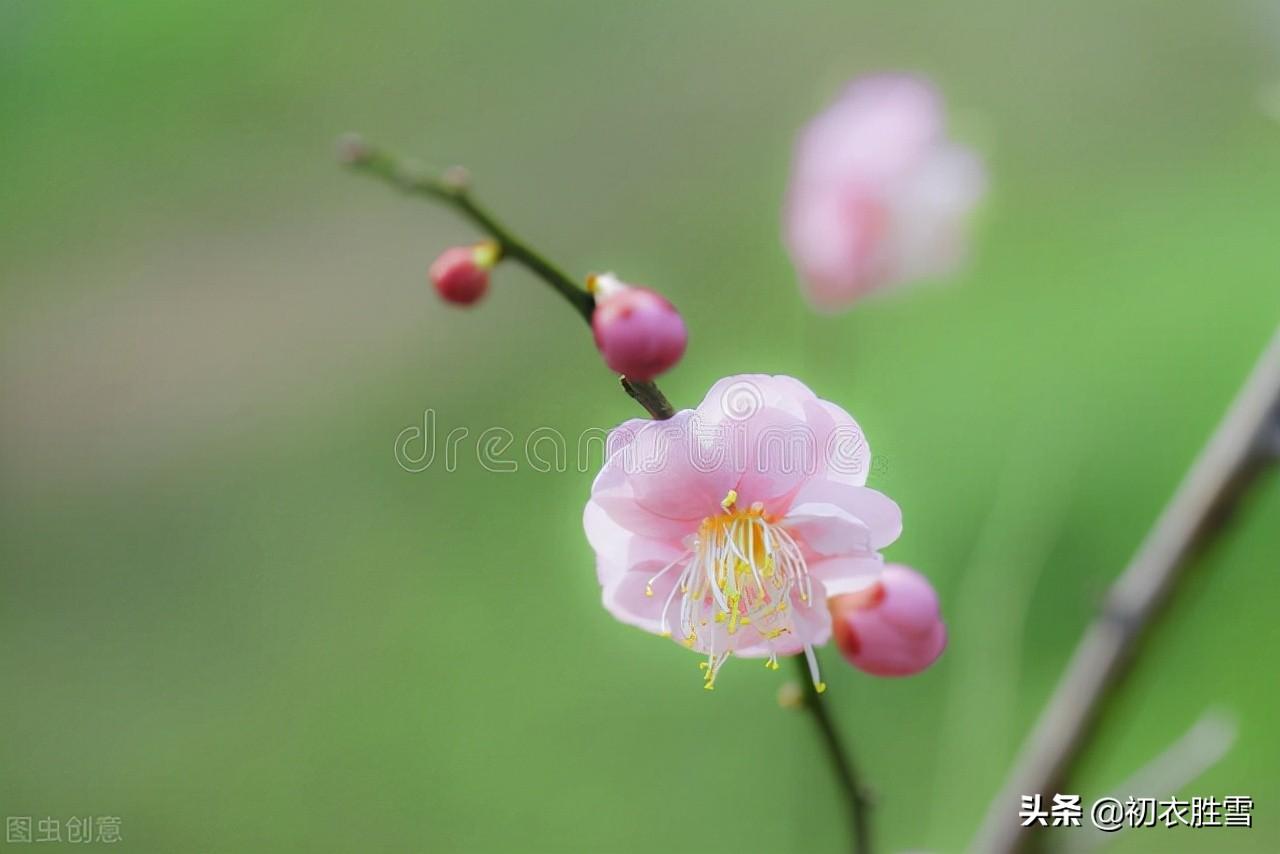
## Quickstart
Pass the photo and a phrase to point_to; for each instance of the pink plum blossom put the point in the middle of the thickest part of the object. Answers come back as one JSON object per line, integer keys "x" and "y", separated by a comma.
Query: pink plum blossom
{"x": 728, "y": 526}
{"x": 878, "y": 194}
{"x": 637, "y": 331}
{"x": 890, "y": 627}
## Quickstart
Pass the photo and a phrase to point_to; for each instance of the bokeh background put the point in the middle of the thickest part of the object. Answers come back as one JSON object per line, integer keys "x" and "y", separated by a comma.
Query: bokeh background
{"x": 230, "y": 618}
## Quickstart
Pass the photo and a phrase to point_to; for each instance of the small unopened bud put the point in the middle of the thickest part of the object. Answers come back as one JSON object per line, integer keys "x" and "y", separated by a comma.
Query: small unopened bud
{"x": 461, "y": 274}
{"x": 352, "y": 149}
{"x": 639, "y": 333}
{"x": 891, "y": 627}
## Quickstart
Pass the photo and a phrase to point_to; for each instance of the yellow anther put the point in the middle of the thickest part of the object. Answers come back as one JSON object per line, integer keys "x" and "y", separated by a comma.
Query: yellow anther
{"x": 730, "y": 499}
{"x": 820, "y": 687}
{"x": 648, "y": 590}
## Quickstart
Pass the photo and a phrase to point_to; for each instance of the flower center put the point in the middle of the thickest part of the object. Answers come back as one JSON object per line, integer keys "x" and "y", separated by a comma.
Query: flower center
{"x": 736, "y": 586}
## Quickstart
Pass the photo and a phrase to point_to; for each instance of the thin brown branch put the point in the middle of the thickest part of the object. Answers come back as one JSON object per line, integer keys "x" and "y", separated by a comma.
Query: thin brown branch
{"x": 1240, "y": 448}
{"x": 857, "y": 800}
{"x": 452, "y": 190}
{"x": 650, "y": 397}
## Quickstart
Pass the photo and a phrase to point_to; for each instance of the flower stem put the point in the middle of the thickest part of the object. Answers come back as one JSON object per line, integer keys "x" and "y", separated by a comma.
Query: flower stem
{"x": 857, "y": 799}
{"x": 452, "y": 190}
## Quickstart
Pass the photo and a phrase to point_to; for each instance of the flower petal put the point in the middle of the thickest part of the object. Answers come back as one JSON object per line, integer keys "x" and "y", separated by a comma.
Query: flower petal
{"x": 910, "y": 602}
{"x": 619, "y": 549}
{"x": 879, "y": 513}
{"x": 845, "y": 451}
{"x": 738, "y": 398}
{"x": 626, "y": 599}
{"x": 667, "y": 469}
{"x": 875, "y": 646}
{"x": 846, "y": 574}
{"x": 825, "y": 529}
{"x": 778, "y": 434}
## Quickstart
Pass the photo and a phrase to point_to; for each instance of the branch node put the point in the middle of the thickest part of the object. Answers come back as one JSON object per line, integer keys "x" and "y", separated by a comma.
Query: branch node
{"x": 456, "y": 179}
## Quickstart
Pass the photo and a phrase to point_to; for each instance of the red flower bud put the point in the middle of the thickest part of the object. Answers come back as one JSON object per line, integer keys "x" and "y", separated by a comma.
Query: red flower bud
{"x": 461, "y": 274}
{"x": 892, "y": 627}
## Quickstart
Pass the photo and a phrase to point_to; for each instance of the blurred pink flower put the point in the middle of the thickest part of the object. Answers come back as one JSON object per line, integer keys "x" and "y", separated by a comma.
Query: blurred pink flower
{"x": 878, "y": 195}
{"x": 729, "y": 525}
{"x": 892, "y": 626}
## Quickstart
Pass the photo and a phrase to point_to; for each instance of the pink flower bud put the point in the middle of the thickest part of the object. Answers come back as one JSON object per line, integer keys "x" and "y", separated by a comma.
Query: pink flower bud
{"x": 892, "y": 626}
{"x": 461, "y": 274}
{"x": 638, "y": 332}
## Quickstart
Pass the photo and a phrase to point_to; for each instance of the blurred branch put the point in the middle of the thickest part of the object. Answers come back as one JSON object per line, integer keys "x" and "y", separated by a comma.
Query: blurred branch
{"x": 451, "y": 189}
{"x": 857, "y": 799}
{"x": 1180, "y": 764}
{"x": 1240, "y": 448}
{"x": 1199, "y": 749}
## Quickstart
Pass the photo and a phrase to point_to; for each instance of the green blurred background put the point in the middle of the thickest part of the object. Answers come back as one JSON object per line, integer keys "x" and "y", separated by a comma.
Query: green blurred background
{"x": 230, "y": 618}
